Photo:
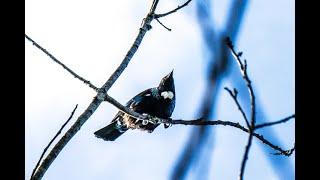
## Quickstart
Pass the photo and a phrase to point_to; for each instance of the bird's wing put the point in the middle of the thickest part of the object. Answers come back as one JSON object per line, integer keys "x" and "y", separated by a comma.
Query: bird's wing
{"x": 134, "y": 102}
{"x": 139, "y": 98}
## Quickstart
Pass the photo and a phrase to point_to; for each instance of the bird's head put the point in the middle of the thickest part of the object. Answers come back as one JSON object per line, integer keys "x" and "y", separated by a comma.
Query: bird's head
{"x": 167, "y": 85}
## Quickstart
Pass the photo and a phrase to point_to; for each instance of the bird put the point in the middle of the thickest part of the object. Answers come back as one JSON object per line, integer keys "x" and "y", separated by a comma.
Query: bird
{"x": 156, "y": 102}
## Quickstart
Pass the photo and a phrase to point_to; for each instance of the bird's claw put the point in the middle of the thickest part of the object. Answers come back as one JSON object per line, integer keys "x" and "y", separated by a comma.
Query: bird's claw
{"x": 150, "y": 119}
{"x": 154, "y": 120}
{"x": 144, "y": 122}
{"x": 167, "y": 125}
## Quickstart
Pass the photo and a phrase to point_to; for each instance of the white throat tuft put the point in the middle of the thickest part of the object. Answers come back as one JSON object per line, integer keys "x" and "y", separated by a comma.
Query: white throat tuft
{"x": 167, "y": 94}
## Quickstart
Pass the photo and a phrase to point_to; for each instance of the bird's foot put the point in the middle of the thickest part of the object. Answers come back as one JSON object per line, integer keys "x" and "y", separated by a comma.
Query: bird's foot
{"x": 167, "y": 124}
{"x": 151, "y": 119}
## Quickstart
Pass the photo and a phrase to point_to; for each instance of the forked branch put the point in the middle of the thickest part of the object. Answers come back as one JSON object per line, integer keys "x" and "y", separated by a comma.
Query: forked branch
{"x": 99, "y": 98}
{"x": 243, "y": 68}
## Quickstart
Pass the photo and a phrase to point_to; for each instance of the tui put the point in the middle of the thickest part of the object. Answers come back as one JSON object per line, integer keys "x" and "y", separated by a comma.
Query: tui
{"x": 155, "y": 102}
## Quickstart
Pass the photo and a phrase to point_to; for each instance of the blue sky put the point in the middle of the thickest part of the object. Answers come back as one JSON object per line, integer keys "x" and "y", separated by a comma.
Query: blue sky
{"x": 92, "y": 37}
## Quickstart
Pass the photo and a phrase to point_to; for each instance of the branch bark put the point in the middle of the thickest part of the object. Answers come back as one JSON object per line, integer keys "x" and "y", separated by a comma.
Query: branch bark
{"x": 234, "y": 95}
{"x": 60, "y": 63}
{"x": 172, "y": 11}
{"x": 46, "y": 148}
{"x": 243, "y": 69}
{"x": 275, "y": 122}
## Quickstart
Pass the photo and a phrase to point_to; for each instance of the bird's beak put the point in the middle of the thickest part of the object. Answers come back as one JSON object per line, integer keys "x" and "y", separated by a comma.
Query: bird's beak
{"x": 171, "y": 73}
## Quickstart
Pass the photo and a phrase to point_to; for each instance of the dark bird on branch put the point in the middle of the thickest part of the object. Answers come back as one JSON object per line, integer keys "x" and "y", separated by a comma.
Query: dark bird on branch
{"x": 154, "y": 102}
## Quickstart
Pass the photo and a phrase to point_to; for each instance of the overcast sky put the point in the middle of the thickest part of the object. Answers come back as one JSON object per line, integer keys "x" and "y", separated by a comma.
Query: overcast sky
{"x": 92, "y": 37}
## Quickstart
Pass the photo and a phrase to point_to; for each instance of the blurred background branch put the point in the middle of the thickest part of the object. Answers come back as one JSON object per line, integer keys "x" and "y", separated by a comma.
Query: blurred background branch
{"x": 218, "y": 64}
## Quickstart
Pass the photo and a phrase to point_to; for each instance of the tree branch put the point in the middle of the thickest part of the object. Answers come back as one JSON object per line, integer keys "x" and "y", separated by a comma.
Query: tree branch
{"x": 124, "y": 108}
{"x": 45, "y": 149}
{"x": 59, "y": 62}
{"x": 153, "y": 7}
{"x": 243, "y": 69}
{"x": 172, "y": 11}
{"x": 275, "y": 122}
{"x": 234, "y": 96}
{"x": 198, "y": 122}
{"x": 102, "y": 93}
{"x": 288, "y": 152}
{"x": 163, "y": 25}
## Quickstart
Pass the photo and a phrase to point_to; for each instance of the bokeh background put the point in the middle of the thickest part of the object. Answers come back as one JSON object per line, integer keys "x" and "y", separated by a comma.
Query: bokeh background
{"x": 92, "y": 37}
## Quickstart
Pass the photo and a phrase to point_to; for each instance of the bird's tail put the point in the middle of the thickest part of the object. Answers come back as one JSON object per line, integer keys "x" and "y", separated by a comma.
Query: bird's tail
{"x": 110, "y": 132}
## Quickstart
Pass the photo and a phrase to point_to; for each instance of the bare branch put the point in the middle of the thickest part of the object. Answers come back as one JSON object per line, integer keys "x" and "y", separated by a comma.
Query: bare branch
{"x": 143, "y": 29}
{"x": 45, "y": 149}
{"x": 163, "y": 24}
{"x": 153, "y": 7}
{"x": 124, "y": 108}
{"x": 98, "y": 99}
{"x": 173, "y": 11}
{"x": 243, "y": 69}
{"x": 197, "y": 122}
{"x": 60, "y": 63}
{"x": 275, "y": 122}
{"x": 234, "y": 97}
{"x": 245, "y": 156}
{"x": 201, "y": 122}
{"x": 288, "y": 152}
{"x": 236, "y": 55}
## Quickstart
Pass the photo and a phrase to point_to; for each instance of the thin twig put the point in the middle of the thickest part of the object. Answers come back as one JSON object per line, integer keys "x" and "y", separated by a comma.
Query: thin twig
{"x": 288, "y": 152}
{"x": 162, "y": 24}
{"x": 234, "y": 97}
{"x": 246, "y": 155}
{"x": 201, "y": 122}
{"x": 60, "y": 63}
{"x": 45, "y": 149}
{"x": 275, "y": 122}
{"x": 175, "y": 10}
{"x": 243, "y": 69}
{"x": 98, "y": 99}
